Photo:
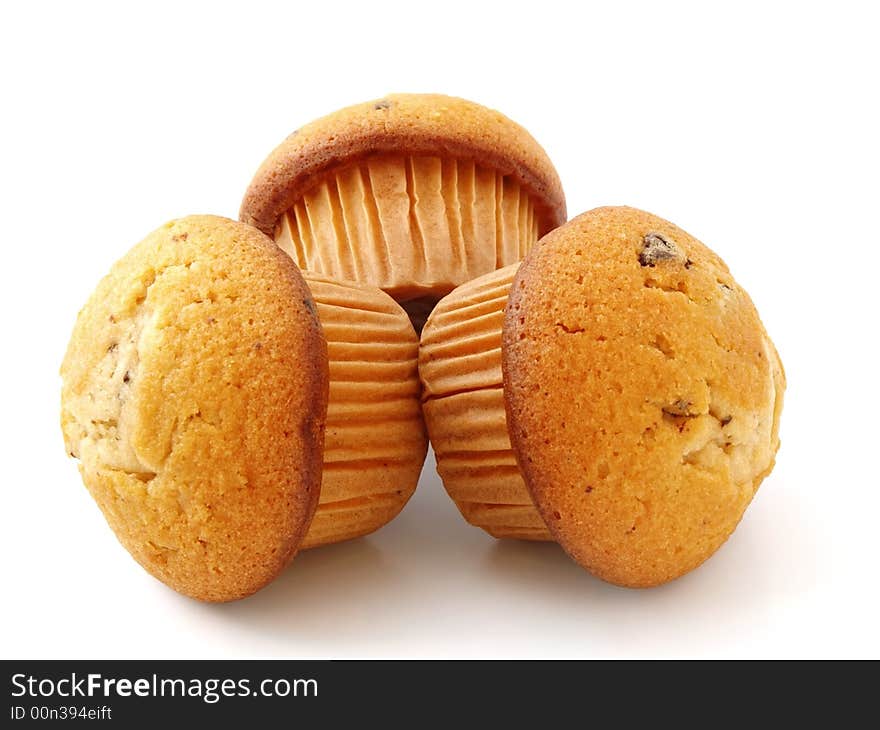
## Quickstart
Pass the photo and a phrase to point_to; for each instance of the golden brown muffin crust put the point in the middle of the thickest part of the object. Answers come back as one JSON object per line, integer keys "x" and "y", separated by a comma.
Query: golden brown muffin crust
{"x": 642, "y": 392}
{"x": 402, "y": 124}
{"x": 194, "y": 394}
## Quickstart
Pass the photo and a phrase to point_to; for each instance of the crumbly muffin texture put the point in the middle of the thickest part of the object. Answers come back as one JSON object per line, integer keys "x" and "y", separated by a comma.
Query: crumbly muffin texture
{"x": 643, "y": 394}
{"x": 194, "y": 393}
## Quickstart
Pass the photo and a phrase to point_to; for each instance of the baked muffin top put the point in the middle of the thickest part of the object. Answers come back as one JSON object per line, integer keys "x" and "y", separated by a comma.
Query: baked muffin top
{"x": 194, "y": 393}
{"x": 643, "y": 394}
{"x": 402, "y": 124}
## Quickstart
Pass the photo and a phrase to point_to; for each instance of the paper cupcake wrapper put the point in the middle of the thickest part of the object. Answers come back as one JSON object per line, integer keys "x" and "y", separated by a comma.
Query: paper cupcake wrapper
{"x": 463, "y": 403}
{"x": 415, "y": 227}
{"x": 375, "y": 441}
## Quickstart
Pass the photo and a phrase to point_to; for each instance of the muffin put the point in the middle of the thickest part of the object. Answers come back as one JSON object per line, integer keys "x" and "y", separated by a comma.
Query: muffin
{"x": 194, "y": 393}
{"x": 463, "y": 404}
{"x": 375, "y": 442}
{"x": 643, "y": 394}
{"x": 414, "y": 194}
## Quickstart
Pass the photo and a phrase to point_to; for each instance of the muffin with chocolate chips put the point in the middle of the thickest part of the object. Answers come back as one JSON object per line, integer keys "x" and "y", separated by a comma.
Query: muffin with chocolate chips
{"x": 196, "y": 388}
{"x": 642, "y": 395}
{"x": 194, "y": 394}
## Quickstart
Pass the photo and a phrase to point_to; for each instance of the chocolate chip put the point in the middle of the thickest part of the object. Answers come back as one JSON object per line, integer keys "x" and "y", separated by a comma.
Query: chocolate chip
{"x": 679, "y": 408}
{"x": 382, "y": 104}
{"x": 127, "y": 377}
{"x": 656, "y": 248}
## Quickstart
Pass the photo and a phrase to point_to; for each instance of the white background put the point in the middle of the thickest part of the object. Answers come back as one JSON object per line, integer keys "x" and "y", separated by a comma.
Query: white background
{"x": 754, "y": 127}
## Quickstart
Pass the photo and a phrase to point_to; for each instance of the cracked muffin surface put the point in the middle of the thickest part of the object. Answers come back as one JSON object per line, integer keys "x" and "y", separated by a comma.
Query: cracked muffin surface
{"x": 643, "y": 394}
{"x": 194, "y": 394}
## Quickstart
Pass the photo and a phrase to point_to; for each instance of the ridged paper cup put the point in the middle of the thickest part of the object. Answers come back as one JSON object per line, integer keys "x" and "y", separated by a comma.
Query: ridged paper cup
{"x": 414, "y": 194}
{"x": 463, "y": 405}
{"x": 414, "y": 226}
{"x": 375, "y": 441}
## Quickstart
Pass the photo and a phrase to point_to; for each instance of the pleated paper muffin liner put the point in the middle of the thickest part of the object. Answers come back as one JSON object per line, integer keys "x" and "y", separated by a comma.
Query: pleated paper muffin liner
{"x": 463, "y": 404}
{"x": 375, "y": 442}
{"x": 414, "y": 226}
